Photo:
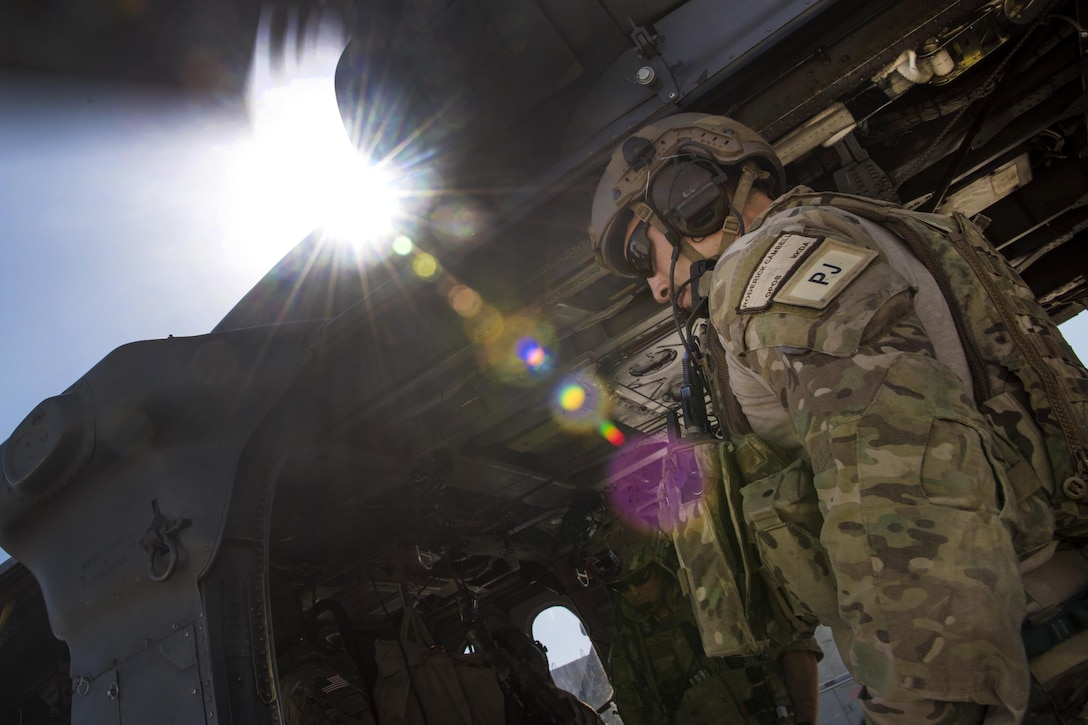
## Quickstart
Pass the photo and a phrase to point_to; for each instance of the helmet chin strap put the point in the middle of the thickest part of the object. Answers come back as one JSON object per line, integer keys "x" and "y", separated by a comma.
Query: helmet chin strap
{"x": 731, "y": 228}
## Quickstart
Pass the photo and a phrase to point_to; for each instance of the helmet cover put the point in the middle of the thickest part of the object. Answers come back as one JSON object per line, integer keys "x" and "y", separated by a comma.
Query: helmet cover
{"x": 618, "y": 551}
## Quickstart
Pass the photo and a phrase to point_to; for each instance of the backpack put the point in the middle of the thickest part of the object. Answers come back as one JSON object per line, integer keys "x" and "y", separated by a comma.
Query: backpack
{"x": 419, "y": 682}
{"x": 1028, "y": 381}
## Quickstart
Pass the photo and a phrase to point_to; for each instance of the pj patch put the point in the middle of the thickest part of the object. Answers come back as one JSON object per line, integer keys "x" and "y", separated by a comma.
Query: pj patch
{"x": 803, "y": 271}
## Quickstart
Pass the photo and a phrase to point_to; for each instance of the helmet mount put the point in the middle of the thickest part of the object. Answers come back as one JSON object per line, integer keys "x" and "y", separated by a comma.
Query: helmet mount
{"x": 638, "y": 152}
{"x": 690, "y": 194}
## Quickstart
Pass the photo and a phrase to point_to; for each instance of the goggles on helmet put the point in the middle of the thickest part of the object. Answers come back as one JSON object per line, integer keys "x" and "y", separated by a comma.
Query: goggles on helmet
{"x": 605, "y": 566}
{"x": 637, "y": 579}
{"x": 639, "y": 250}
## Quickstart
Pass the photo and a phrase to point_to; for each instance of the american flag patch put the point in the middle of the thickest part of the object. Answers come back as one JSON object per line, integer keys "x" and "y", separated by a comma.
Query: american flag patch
{"x": 336, "y": 682}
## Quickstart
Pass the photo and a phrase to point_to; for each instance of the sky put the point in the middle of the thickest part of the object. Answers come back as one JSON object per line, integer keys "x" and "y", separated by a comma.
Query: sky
{"x": 128, "y": 215}
{"x": 132, "y": 215}
{"x": 114, "y": 209}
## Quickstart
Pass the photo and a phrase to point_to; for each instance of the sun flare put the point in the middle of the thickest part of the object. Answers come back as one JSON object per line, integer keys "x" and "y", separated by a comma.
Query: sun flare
{"x": 298, "y": 172}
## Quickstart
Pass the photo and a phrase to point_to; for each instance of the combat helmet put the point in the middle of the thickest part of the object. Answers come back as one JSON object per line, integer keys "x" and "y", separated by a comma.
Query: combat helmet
{"x": 618, "y": 552}
{"x": 695, "y": 151}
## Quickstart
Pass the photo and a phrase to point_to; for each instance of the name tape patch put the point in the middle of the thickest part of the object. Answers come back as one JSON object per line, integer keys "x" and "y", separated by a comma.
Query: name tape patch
{"x": 825, "y": 273}
{"x": 787, "y": 252}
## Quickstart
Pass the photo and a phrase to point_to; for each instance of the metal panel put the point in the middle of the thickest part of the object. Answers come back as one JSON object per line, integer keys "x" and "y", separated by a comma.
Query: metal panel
{"x": 164, "y": 680}
{"x": 171, "y": 418}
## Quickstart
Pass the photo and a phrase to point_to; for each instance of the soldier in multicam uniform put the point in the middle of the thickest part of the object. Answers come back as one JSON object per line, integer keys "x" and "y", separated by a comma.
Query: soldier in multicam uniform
{"x": 876, "y": 355}
{"x": 657, "y": 666}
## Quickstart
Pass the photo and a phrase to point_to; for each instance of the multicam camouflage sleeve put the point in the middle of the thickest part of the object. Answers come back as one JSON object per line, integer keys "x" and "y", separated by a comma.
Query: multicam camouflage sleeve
{"x": 925, "y": 597}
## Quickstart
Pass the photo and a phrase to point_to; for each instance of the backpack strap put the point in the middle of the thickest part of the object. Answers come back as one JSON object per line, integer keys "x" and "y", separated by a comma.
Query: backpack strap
{"x": 726, "y": 406}
{"x": 1074, "y": 434}
{"x": 980, "y": 380}
{"x": 966, "y": 239}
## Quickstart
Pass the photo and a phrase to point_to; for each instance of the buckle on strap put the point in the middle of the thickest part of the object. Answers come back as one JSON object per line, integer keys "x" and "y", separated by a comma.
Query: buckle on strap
{"x": 702, "y": 674}
{"x": 1071, "y": 619}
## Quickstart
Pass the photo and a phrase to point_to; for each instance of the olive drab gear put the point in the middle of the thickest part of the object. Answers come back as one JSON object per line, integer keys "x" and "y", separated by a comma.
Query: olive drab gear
{"x": 321, "y": 687}
{"x": 624, "y": 186}
{"x": 776, "y": 501}
{"x": 420, "y": 683}
{"x": 738, "y": 608}
{"x": 617, "y": 551}
{"x": 661, "y": 676}
{"x": 1022, "y": 420}
{"x": 716, "y": 568}
{"x": 658, "y": 666}
{"x": 1033, "y": 392}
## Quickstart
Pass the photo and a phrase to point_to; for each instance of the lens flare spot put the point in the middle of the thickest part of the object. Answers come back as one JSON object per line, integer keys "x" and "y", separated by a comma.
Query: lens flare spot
{"x": 510, "y": 356}
{"x": 402, "y": 245}
{"x": 634, "y": 473}
{"x": 572, "y": 397}
{"x": 456, "y": 223}
{"x": 612, "y": 434}
{"x": 425, "y": 265}
{"x": 532, "y": 353}
{"x": 465, "y": 301}
{"x": 580, "y": 405}
{"x": 486, "y": 326}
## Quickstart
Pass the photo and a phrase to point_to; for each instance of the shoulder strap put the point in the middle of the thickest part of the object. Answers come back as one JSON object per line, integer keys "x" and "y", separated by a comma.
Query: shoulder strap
{"x": 886, "y": 215}
{"x": 725, "y": 403}
{"x": 903, "y": 222}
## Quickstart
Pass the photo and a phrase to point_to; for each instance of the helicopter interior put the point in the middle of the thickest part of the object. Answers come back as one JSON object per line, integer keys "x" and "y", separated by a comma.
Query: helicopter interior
{"x": 443, "y": 430}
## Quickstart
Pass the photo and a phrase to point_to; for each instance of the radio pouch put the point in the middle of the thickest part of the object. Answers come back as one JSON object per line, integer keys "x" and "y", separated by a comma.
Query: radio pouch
{"x": 716, "y": 570}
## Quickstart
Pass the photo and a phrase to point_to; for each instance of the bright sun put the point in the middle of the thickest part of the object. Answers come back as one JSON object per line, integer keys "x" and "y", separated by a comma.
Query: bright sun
{"x": 298, "y": 171}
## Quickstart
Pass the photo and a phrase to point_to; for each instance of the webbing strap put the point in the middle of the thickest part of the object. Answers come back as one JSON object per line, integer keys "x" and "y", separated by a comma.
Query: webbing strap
{"x": 980, "y": 379}
{"x": 1071, "y": 619}
{"x": 726, "y": 405}
{"x": 732, "y": 225}
{"x": 1074, "y": 435}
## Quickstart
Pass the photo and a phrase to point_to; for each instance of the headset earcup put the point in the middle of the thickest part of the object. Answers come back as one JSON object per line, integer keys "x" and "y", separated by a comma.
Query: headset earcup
{"x": 690, "y": 196}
